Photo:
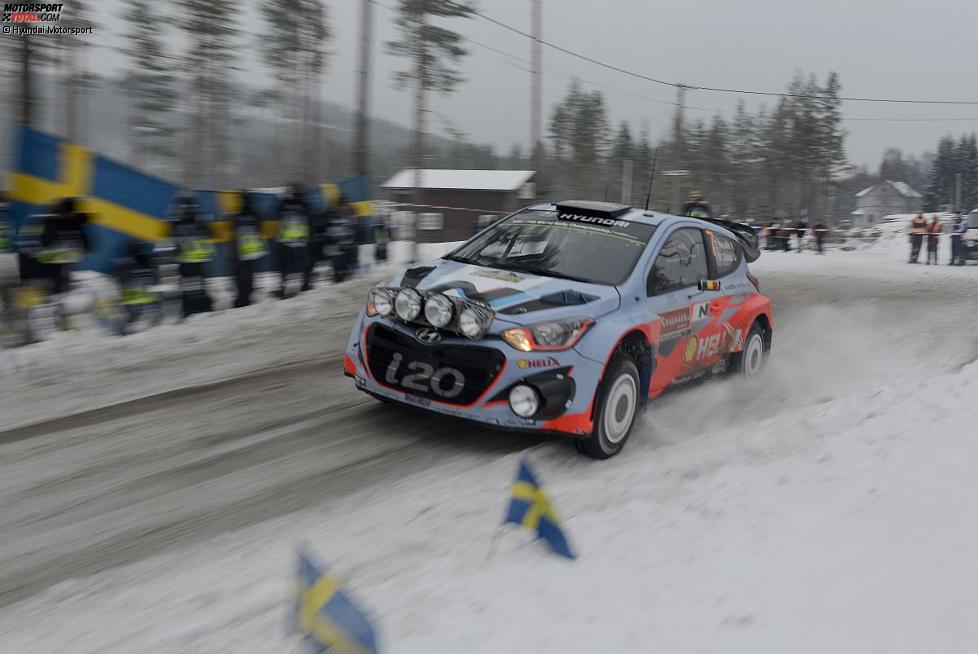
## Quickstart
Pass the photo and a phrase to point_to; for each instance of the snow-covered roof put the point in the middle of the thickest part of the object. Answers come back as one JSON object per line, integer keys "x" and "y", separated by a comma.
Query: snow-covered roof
{"x": 902, "y": 188}
{"x": 905, "y": 189}
{"x": 470, "y": 180}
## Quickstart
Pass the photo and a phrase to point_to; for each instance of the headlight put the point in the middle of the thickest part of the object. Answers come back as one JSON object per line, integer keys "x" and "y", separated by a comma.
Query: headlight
{"x": 524, "y": 401}
{"x": 438, "y": 310}
{"x": 556, "y": 335}
{"x": 380, "y": 302}
{"x": 407, "y": 304}
{"x": 474, "y": 321}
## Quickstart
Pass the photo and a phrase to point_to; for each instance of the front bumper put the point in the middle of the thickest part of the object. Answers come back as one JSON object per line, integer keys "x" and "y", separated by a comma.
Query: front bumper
{"x": 386, "y": 359}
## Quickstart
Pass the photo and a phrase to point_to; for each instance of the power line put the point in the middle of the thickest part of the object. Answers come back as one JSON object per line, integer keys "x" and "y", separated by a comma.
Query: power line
{"x": 588, "y": 82}
{"x": 697, "y": 87}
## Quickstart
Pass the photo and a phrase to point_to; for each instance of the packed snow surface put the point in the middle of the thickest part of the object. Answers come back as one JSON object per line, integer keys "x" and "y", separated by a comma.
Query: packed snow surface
{"x": 827, "y": 506}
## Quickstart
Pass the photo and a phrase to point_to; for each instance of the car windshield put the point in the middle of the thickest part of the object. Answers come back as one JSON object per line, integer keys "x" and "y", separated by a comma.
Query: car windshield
{"x": 973, "y": 220}
{"x": 598, "y": 251}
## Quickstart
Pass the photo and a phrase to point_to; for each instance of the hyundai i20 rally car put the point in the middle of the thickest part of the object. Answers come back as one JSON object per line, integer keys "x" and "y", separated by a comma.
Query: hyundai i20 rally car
{"x": 565, "y": 318}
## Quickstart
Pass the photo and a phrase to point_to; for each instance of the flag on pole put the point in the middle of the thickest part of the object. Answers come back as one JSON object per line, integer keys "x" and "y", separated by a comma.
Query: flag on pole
{"x": 531, "y": 508}
{"x": 326, "y": 617}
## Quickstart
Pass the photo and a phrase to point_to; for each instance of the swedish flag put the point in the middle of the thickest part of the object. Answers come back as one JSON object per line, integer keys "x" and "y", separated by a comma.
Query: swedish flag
{"x": 531, "y": 508}
{"x": 122, "y": 202}
{"x": 326, "y": 617}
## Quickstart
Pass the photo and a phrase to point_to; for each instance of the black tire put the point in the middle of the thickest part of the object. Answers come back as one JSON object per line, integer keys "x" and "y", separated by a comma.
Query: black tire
{"x": 621, "y": 387}
{"x": 750, "y": 361}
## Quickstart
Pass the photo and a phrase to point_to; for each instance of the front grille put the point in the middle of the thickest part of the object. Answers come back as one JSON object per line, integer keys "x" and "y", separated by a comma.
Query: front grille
{"x": 431, "y": 371}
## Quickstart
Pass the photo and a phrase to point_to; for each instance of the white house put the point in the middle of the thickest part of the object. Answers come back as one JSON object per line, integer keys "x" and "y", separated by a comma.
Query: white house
{"x": 887, "y": 197}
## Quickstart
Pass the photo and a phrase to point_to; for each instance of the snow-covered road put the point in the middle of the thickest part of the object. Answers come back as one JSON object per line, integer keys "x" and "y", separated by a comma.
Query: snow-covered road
{"x": 828, "y": 506}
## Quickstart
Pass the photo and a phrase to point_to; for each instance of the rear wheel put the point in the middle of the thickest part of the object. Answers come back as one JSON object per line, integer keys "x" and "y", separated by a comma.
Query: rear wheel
{"x": 617, "y": 405}
{"x": 749, "y": 361}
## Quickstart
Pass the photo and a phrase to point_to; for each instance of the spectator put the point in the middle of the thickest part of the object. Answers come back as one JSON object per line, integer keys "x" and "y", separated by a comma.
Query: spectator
{"x": 821, "y": 231}
{"x": 341, "y": 233}
{"x": 247, "y": 248}
{"x": 195, "y": 250}
{"x": 696, "y": 206}
{"x": 801, "y": 228}
{"x": 933, "y": 236}
{"x": 293, "y": 238}
{"x": 958, "y": 231}
{"x": 64, "y": 242}
{"x": 918, "y": 227}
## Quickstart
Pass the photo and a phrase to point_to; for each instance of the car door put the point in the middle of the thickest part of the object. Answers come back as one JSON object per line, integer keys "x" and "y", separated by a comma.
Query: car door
{"x": 673, "y": 288}
{"x": 723, "y": 333}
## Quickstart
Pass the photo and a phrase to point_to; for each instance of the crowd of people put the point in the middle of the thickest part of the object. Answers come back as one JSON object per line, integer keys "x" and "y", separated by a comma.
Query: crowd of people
{"x": 921, "y": 229}
{"x": 778, "y": 236}
{"x": 50, "y": 245}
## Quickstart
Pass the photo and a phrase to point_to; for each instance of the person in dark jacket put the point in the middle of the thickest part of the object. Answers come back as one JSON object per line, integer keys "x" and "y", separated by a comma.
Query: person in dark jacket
{"x": 821, "y": 231}
{"x": 341, "y": 234}
{"x": 247, "y": 249}
{"x": 64, "y": 242}
{"x": 293, "y": 237}
{"x": 6, "y": 229}
{"x": 195, "y": 250}
{"x": 801, "y": 229}
{"x": 934, "y": 230}
{"x": 958, "y": 230}
{"x": 918, "y": 228}
{"x": 696, "y": 206}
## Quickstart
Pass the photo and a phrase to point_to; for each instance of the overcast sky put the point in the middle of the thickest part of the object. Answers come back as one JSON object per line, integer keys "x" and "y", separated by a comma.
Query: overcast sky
{"x": 880, "y": 48}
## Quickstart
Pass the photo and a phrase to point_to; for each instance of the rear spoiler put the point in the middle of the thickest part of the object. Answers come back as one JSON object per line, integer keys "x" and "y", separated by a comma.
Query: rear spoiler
{"x": 745, "y": 233}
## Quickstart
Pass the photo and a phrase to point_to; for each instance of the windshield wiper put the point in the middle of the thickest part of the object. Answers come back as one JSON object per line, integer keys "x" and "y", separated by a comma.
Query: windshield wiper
{"x": 537, "y": 270}
{"x": 457, "y": 258}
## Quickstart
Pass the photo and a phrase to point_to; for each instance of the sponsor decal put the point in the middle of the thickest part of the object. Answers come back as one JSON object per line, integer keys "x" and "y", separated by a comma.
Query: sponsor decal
{"x": 427, "y": 335}
{"x": 675, "y": 322}
{"x": 735, "y": 337}
{"x": 549, "y": 362}
{"x": 702, "y": 348}
{"x": 419, "y": 401}
{"x": 595, "y": 220}
{"x": 501, "y": 275}
{"x": 700, "y": 311}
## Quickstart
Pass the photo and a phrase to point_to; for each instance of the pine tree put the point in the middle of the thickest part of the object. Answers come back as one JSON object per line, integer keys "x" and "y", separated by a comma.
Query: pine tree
{"x": 212, "y": 31}
{"x": 294, "y": 50}
{"x": 940, "y": 190}
{"x": 151, "y": 88}
{"x": 432, "y": 53}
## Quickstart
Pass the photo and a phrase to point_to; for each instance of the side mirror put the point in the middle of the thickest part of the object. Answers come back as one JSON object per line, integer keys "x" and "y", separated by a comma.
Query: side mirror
{"x": 709, "y": 285}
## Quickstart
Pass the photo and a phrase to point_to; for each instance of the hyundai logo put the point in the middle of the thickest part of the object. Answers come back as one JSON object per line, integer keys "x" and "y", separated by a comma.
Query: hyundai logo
{"x": 428, "y": 335}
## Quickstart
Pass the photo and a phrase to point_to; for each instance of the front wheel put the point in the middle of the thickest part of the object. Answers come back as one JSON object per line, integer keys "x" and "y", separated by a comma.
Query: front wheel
{"x": 617, "y": 405}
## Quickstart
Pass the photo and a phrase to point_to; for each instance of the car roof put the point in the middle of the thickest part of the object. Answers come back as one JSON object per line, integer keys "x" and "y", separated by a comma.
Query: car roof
{"x": 620, "y": 211}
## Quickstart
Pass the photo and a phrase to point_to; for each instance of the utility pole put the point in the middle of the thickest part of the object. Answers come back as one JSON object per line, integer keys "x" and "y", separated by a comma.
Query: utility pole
{"x": 421, "y": 75}
{"x": 679, "y": 136}
{"x": 361, "y": 139}
{"x": 536, "y": 85}
{"x": 957, "y": 192}
{"x": 626, "y": 182}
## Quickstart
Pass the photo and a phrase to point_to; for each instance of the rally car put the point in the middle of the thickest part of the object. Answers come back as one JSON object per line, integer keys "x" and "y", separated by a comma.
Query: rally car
{"x": 566, "y": 318}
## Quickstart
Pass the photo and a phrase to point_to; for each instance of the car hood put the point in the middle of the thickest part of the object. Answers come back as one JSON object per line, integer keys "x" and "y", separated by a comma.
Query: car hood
{"x": 517, "y": 297}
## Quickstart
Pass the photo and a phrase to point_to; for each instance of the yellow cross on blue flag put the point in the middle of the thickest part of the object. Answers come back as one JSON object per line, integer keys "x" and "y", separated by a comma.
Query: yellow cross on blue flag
{"x": 531, "y": 508}
{"x": 326, "y": 617}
